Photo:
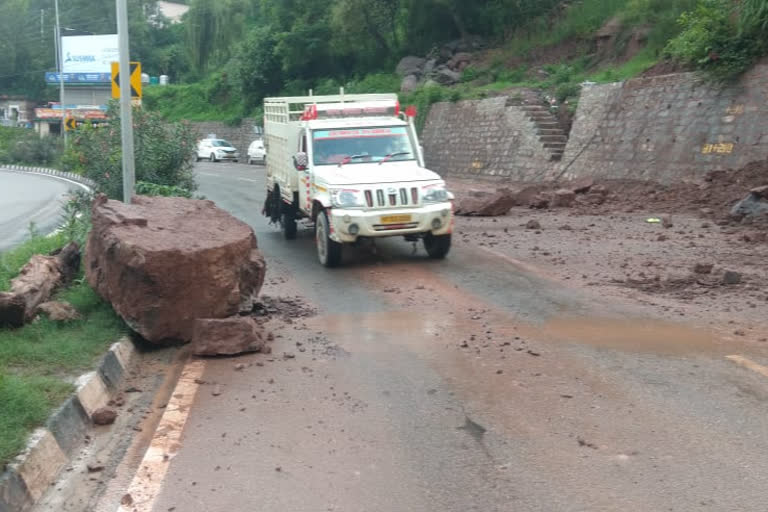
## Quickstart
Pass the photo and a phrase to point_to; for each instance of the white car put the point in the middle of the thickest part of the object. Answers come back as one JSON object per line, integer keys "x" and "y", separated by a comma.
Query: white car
{"x": 256, "y": 152}
{"x": 216, "y": 150}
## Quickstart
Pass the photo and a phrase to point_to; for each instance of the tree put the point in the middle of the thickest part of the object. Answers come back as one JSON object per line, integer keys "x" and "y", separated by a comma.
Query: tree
{"x": 258, "y": 69}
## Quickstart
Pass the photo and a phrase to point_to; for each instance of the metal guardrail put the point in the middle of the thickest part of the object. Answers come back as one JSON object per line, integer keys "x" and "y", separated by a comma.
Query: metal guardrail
{"x": 50, "y": 172}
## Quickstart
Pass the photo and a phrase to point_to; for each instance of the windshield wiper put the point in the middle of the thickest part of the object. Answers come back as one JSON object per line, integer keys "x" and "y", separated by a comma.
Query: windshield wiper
{"x": 392, "y": 155}
{"x": 348, "y": 159}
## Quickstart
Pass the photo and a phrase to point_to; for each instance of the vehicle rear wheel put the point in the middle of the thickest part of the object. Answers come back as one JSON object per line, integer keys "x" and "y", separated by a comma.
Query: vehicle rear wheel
{"x": 437, "y": 246}
{"x": 328, "y": 251}
{"x": 288, "y": 221}
{"x": 250, "y": 161}
{"x": 212, "y": 158}
{"x": 197, "y": 158}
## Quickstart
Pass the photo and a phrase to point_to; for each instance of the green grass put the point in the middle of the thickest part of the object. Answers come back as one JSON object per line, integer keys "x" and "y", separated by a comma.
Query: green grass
{"x": 191, "y": 102}
{"x": 62, "y": 349}
{"x": 39, "y": 361}
{"x": 25, "y": 403}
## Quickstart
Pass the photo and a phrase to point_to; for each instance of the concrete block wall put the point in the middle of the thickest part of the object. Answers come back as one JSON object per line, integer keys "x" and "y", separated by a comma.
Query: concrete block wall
{"x": 668, "y": 128}
{"x": 484, "y": 138}
{"x": 241, "y": 136}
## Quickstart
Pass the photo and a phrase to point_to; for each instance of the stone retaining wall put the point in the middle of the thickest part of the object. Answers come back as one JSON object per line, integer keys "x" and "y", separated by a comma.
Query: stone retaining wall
{"x": 484, "y": 137}
{"x": 668, "y": 128}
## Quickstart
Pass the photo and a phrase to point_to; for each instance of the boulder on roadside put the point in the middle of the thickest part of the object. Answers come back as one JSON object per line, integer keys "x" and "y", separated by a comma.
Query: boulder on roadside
{"x": 540, "y": 202}
{"x": 703, "y": 268}
{"x": 563, "y": 198}
{"x": 227, "y": 337}
{"x": 163, "y": 262}
{"x": 731, "y": 278}
{"x": 411, "y": 65}
{"x": 533, "y": 224}
{"x": 58, "y": 311}
{"x": 492, "y": 205}
{"x": 581, "y": 185}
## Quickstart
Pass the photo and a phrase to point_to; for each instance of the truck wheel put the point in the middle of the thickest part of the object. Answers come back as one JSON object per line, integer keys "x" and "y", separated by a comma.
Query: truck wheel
{"x": 437, "y": 246}
{"x": 328, "y": 251}
{"x": 288, "y": 221}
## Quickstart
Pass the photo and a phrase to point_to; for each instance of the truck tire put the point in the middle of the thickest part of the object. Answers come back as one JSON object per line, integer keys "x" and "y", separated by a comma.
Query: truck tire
{"x": 288, "y": 221}
{"x": 328, "y": 251}
{"x": 437, "y": 246}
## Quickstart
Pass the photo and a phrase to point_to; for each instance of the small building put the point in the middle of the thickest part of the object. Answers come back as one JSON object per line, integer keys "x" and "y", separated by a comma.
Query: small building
{"x": 16, "y": 111}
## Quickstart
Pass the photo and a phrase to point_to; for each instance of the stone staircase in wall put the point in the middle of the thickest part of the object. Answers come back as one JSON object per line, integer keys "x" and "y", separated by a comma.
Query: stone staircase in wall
{"x": 552, "y": 137}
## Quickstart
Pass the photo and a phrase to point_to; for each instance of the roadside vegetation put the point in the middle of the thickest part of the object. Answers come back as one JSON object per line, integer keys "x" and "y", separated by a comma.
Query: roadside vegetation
{"x": 24, "y": 147}
{"x": 39, "y": 362}
{"x": 549, "y": 46}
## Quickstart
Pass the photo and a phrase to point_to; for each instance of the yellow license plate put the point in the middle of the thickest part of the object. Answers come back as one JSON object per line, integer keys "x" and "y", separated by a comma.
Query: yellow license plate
{"x": 396, "y": 219}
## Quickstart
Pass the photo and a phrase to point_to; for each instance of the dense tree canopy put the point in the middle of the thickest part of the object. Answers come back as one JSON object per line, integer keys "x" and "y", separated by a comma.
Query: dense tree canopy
{"x": 264, "y": 46}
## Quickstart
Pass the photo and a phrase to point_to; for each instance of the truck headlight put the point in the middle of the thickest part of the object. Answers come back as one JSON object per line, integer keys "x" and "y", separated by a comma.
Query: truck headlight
{"x": 346, "y": 198}
{"x": 434, "y": 194}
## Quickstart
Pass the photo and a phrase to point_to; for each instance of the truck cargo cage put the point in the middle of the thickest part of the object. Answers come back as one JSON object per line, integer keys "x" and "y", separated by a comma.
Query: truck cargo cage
{"x": 285, "y": 110}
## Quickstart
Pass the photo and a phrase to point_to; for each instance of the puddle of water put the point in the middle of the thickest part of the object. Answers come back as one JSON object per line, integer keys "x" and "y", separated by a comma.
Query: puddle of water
{"x": 413, "y": 328}
{"x": 636, "y": 335}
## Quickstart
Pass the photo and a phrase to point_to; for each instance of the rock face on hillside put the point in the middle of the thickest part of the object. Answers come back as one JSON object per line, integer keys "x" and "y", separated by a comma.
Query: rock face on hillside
{"x": 165, "y": 262}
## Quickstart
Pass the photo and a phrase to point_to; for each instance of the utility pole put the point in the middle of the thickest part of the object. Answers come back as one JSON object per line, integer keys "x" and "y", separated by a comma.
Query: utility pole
{"x": 126, "y": 112}
{"x": 60, "y": 56}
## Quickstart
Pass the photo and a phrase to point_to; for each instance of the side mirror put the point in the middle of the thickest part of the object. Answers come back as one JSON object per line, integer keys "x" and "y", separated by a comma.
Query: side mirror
{"x": 301, "y": 161}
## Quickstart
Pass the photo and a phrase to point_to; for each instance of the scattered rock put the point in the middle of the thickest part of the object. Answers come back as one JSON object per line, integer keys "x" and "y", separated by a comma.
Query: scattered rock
{"x": 563, "y": 198}
{"x": 533, "y": 224}
{"x": 753, "y": 205}
{"x": 58, "y": 311}
{"x": 409, "y": 84}
{"x": 227, "y": 337}
{"x": 410, "y": 65}
{"x": 446, "y": 76}
{"x": 94, "y": 467}
{"x": 104, "y": 416}
{"x": 703, "y": 268}
{"x": 732, "y": 278}
{"x": 761, "y": 192}
{"x": 539, "y": 202}
{"x": 487, "y": 206}
{"x": 582, "y": 185}
{"x": 216, "y": 390}
{"x": 146, "y": 259}
{"x": 666, "y": 221}
{"x": 239, "y": 367}
{"x": 126, "y": 500}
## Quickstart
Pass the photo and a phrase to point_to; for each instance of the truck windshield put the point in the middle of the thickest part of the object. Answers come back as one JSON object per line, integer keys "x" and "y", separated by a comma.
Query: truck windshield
{"x": 361, "y": 145}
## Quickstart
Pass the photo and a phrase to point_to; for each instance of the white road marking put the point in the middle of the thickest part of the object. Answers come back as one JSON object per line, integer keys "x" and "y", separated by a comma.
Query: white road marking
{"x": 166, "y": 443}
{"x": 248, "y": 179}
{"x": 751, "y": 365}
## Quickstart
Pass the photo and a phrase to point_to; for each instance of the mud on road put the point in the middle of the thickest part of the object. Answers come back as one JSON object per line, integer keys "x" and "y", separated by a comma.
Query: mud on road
{"x": 497, "y": 380}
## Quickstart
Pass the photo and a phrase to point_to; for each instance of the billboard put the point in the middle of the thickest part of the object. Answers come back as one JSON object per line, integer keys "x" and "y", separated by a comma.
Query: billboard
{"x": 89, "y": 54}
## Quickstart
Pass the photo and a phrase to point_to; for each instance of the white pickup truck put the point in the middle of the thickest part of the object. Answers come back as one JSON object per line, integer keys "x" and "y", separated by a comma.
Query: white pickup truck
{"x": 352, "y": 165}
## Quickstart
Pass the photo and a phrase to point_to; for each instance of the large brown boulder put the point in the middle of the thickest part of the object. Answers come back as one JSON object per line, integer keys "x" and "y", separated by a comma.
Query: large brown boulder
{"x": 227, "y": 337}
{"x": 164, "y": 262}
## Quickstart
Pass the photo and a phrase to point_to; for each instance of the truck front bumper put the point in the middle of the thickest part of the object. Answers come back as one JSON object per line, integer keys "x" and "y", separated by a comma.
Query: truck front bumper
{"x": 349, "y": 225}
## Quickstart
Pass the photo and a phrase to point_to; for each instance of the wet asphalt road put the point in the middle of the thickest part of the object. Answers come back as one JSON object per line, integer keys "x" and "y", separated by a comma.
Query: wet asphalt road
{"x": 468, "y": 384}
{"x": 26, "y": 198}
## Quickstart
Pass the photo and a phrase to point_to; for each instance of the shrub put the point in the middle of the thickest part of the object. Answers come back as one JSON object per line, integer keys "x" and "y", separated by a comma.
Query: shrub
{"x": 567, "y": 91}
{"x": 152, "y": 189}
{"x": 716, "y": 40}
{"x": 23, "y": 146}
{"x": 163, "y": 153}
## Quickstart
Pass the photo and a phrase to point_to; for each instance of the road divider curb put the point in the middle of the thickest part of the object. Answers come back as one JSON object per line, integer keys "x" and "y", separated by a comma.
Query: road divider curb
{"x": 90, "y": 184}
{"x": 51, "y": 448}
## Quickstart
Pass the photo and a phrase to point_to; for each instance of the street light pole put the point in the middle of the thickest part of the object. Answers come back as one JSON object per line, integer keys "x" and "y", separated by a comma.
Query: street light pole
{"x": 60, "y": 56}
{"x": 126, "y": 113}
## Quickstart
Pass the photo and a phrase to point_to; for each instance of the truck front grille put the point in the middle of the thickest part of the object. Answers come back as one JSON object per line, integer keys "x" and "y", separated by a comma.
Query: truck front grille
{"x": 392, "y": 197}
